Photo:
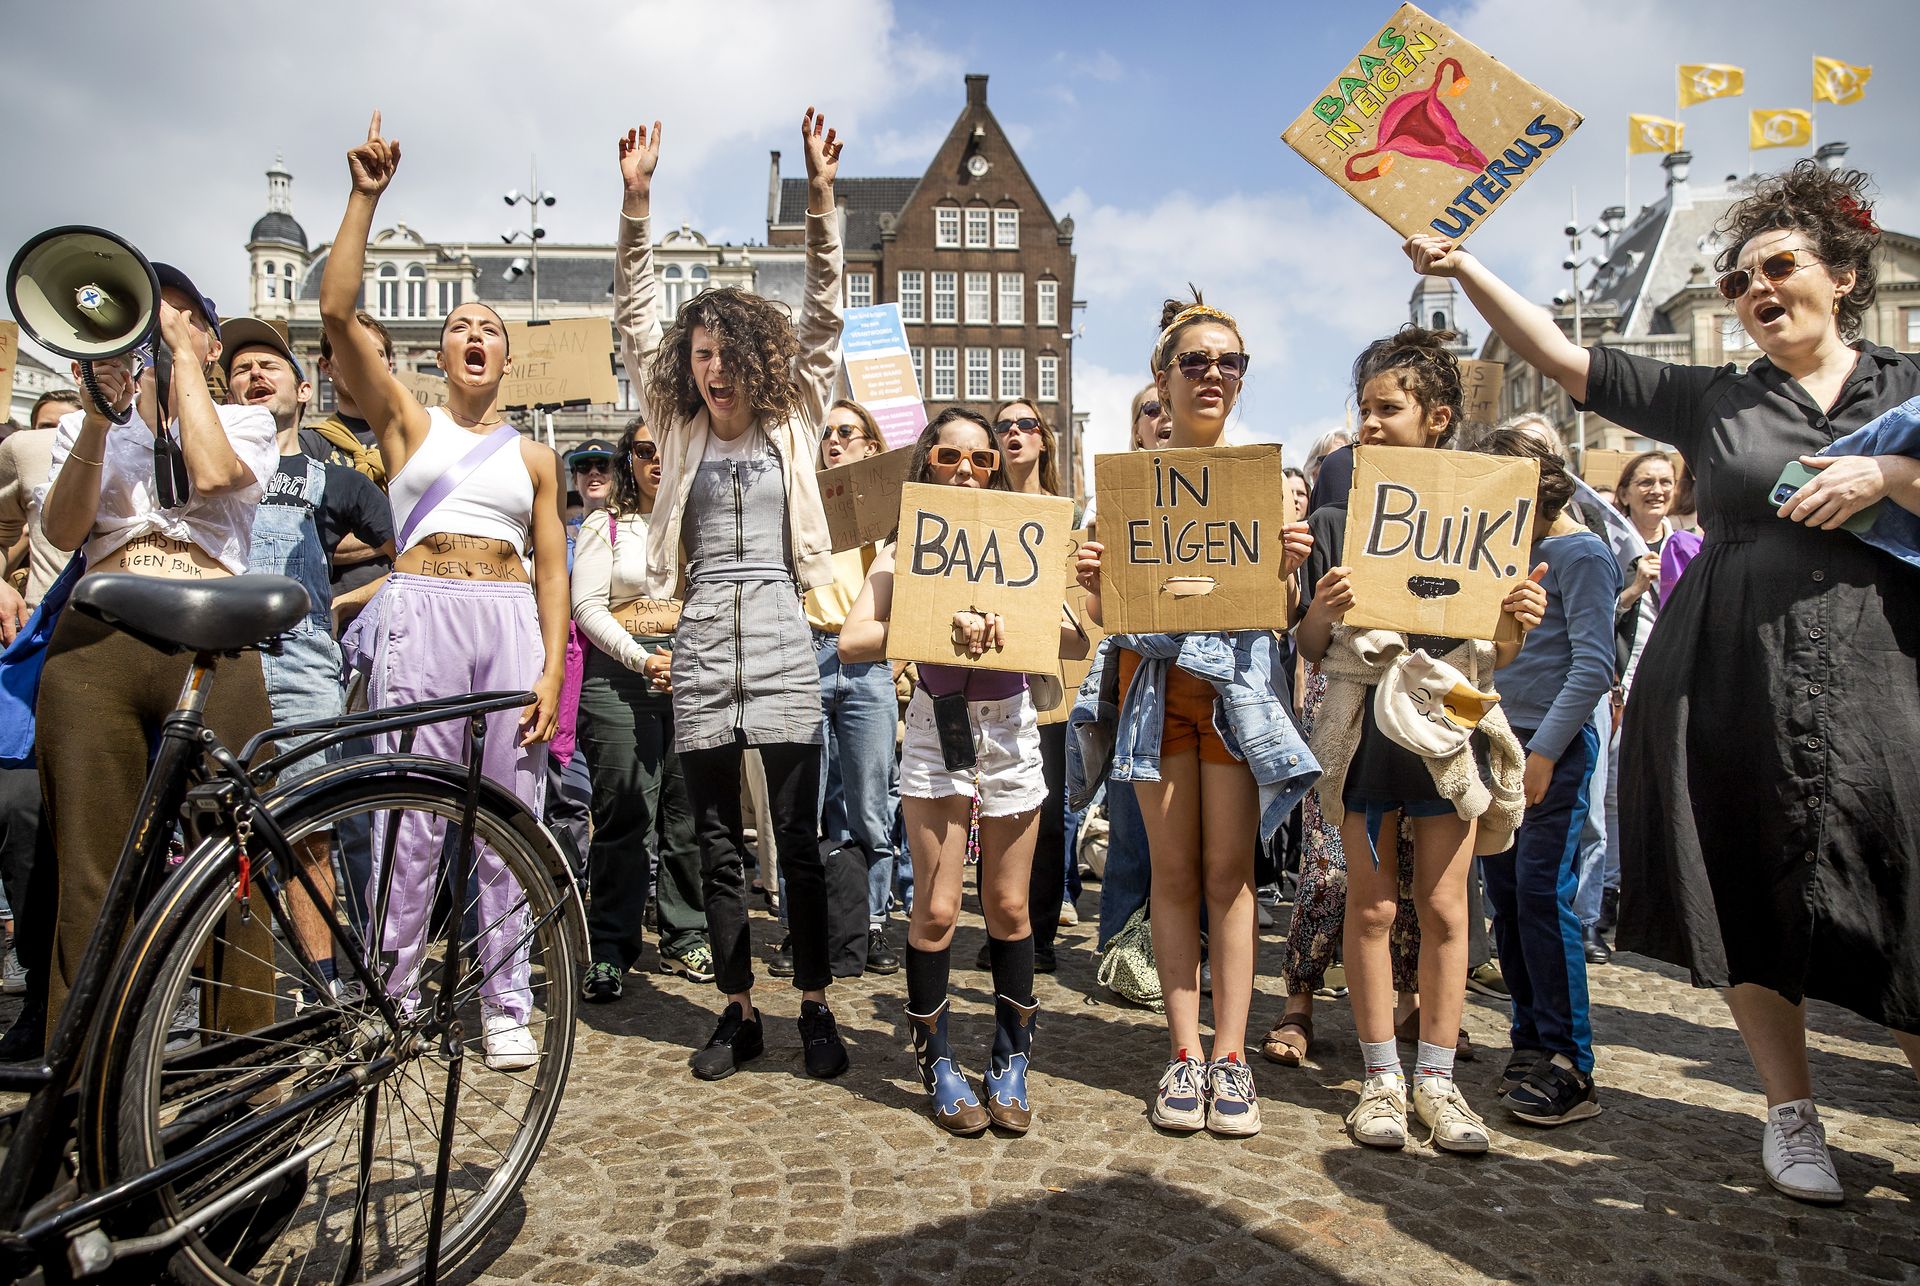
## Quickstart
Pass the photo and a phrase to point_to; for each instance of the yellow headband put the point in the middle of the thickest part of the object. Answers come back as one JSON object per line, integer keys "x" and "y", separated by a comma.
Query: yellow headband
{"x": 1180, "y": 319}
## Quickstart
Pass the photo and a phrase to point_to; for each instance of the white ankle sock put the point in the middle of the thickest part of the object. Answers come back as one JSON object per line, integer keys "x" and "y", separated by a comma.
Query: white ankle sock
{"x": 1433, "y": 1063}
{"x": 1381, "y": 1056}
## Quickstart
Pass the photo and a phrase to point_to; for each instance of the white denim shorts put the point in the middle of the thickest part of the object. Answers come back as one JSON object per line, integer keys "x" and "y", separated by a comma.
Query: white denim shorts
{"x": 1006, "y": 748}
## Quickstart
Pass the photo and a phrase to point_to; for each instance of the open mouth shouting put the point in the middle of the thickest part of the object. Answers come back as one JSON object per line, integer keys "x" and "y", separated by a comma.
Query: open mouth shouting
{"x": 473, "y": 359}
{"x": 1769, "y": 312}
{"x": 722, "y": 396}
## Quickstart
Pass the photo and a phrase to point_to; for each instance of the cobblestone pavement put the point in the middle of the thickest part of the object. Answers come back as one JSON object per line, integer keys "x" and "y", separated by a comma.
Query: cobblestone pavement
{"x": 771, "y": 1177}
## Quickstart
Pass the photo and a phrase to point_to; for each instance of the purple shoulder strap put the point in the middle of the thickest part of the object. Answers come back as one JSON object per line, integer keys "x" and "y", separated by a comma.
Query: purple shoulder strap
{"x": 444, "y": 485}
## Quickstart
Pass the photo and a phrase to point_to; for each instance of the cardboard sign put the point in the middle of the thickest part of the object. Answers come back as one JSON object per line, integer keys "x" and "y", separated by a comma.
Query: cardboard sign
{"x": 1193, "y": 539}
{"x": 1437, "y": 538}
{"x": 1602, "y": 468}
{"x": 566, "y": 362}
{"x": 9, "y": 358}
{"x": 1428, "y": 130}
{"x": 984, "y": 551}
{"x": 880, "y": 371}
{"x": 427, "y": 389}
{"x": 1480, "y": 385}
{"x": 1074, "y": 673}
{"x": 862, "y": 499}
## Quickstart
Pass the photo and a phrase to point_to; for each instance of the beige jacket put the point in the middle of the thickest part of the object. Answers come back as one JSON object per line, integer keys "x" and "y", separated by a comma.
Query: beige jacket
{"x": 26, "y": 457}
{"x": 683, "y": 444}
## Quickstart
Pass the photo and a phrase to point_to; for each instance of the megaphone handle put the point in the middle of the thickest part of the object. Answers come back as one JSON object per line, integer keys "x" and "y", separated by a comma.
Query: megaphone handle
{"x": 162, "y": 380}
{"x": 100, "y": 403}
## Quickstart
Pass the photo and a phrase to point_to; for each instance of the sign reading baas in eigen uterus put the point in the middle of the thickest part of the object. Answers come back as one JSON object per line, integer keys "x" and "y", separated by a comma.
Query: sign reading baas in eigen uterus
{"x": 1429, "y": 131}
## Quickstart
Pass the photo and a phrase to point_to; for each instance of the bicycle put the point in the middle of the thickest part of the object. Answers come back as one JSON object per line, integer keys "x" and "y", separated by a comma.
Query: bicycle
{"x": 344, "y": 1133}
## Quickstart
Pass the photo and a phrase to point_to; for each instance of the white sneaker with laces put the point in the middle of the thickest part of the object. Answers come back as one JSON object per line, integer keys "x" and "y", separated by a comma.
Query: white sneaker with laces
{"x": 509, "y": 1044}
{"x": 1069, "y": 913}
{"x": 13, "y": 978}
{"x": 1794, "y": 1151}
{"x": 1180, "y": 1104}
{"x": 183, "y": 1029}
{"x": 1379, "y": 1120}
{"x": 1451, "y": 1124}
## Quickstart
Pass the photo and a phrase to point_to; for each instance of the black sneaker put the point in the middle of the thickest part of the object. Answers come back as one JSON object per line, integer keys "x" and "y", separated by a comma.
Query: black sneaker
{"x": 602, "y": 982}
{"x": 1554, "y": 1095}
{"x": 735, "y": 1041}
{"x": 26, "y": 1039}
{"x": 1044, "y": 960}
{"x": 781, "y": 966}
{"x": 1595, "y": 947}
{"x": 820, "y": 1040}
{"x": 1519, "y": 1067}
{"x": 881, "y": 957}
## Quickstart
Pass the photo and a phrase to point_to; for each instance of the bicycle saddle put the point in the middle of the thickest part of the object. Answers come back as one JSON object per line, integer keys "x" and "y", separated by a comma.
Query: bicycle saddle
{"x": 225, "y": 615}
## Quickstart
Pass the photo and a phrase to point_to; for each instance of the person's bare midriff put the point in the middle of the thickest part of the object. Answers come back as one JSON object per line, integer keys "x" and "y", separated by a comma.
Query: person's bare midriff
{"x": 157, "y": 555}
{"x": 448, "y": 557}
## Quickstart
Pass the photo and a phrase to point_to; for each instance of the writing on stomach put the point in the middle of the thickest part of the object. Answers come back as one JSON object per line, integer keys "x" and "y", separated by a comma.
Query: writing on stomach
{"x": 452, "y": 557}
{"x": 157, "y": 555}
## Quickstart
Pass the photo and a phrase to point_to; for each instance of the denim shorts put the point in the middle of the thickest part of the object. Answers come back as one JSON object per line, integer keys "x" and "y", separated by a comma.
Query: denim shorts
{"x": 1007, "y": 773}
{"x": 303, "y": 683}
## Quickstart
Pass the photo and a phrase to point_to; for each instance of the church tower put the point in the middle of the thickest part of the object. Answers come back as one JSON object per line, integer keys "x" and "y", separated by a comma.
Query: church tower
{"x": 277, "y": 249}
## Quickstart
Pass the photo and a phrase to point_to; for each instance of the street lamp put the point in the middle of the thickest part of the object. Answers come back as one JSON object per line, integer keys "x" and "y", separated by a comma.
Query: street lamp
{"x": 1608, "y": 226}
{"x": 534, "y": 197}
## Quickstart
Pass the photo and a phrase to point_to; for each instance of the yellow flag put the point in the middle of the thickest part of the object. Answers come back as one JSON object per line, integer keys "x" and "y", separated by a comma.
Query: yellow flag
{"x": 1838, "y": 82}
{"x": 1653, "y": 134}
{"x": 1701, "y": 81}
{"x": 1787, "y": 127}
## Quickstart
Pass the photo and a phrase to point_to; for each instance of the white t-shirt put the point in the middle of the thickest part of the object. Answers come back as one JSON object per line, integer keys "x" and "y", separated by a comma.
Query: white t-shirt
{"x": 129, "y": 507}
{"x": 750, "y": 445}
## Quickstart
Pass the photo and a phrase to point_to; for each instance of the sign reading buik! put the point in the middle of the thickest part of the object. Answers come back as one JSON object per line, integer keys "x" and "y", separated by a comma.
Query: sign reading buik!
{"x": 1437, "y": 538}
{"x": 1480, "y": 385}
{"x": 962, "y": 550}
{"x": 566, "y": 362}
{"x": 1192, "y": 539}
{"x": 1427, "y": 130}
{"x": 862, "y": 499}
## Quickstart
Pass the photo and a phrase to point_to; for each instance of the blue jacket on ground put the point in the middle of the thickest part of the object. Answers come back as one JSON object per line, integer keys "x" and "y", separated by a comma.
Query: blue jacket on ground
{"x": 1897, "y": 530}
{"x": 1566, "y": 664}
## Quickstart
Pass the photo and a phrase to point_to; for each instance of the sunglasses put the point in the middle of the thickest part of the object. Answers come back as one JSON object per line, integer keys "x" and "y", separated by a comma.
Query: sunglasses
{"x": 645, "y": 450}
{"x": 983, "y": 461}
{"x": 1149, "y": 409}
{"x": 1025, "y": 424}
{"x": 170, "y": 483}
{"x": 1194, "y": 365}
{"x": 595, "y": 465}
{"x": 845, "y": 432}
{"x": 1776, "y": 267}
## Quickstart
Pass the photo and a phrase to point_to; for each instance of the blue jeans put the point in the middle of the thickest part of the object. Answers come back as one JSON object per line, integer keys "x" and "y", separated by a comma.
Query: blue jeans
{"x": 859, "y": 772}
{"x": 1599, "y": 838}
{"x": 1129, "y": 871}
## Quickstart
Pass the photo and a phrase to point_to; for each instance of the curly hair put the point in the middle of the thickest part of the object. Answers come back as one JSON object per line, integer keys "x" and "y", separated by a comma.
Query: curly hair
{"x": 1556, "y": 484}
{"x": 753, "y": 335}
{"x": 869, "y": 430}
{"x": 1049, "y": 463}
{"x": 1163, "y": 347}
{"x": 1830, "y": 207}
{"x": 1423, "y": 368}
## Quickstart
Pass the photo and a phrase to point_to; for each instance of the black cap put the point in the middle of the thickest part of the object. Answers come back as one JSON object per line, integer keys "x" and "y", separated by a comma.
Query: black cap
{"x": 592, "y": 449}
{"x": 172, "y": 276}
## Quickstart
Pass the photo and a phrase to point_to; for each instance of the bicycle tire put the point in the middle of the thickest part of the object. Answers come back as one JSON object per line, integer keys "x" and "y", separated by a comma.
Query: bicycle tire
{"x": 149, "y": 1090}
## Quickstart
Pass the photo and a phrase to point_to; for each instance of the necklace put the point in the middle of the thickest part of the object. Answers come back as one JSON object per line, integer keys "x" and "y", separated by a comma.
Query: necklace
{"x": 466, "y": 423}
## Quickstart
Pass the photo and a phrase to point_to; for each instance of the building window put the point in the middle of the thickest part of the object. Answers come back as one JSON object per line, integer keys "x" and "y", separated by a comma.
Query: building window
{"x": 416, "y": 291}
{"x": 1006, "y": 229}
{"x": 273, "y": 279}
{"x": 1733, "y": 336}
{"x": 446, "y": 298}
{"x": 977, "y": 219}
{"x": 287, "y": 269}
{"x": 979, "y": 374}
{"x": 946, "y": 305}
{"x": 919, "y": 356}
{"x": 979, "y": 298}
{"x": 1046, "y": 377}
{"x": 912, "y": 297}
{"x": 859, "y": 290}
{"x": 1913, "y": 327}
{"x": 1046, "y": 302}
{"x": 1013, "y": 373}
{"x": 673, "y": 282}
{"x": 389, "y": 296}
{"x": 946, "y": 227}
{"x": 696, "y": 280}
{"x": 945, "y": 374}
{"x": 1013, "y": 299}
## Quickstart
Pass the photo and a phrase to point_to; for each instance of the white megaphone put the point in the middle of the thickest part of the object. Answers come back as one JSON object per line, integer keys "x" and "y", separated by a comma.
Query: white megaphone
{"x": 86, "y": 294}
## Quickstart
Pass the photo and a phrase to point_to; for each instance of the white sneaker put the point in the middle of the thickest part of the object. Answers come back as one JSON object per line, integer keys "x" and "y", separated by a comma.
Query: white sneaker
{"x": 183, "y": 1029}
{"x": 509, "y": 1044}
{"x": 13, "y": 978}
{"x": 342, "y": 991}
{"x": 1794, "y": 1151}
{"x": 1379, "y": 1120}
{"x": 1451, "y": 1124}
{"x": 1069, "y": 913}
{"x": 1180, "y": 1104}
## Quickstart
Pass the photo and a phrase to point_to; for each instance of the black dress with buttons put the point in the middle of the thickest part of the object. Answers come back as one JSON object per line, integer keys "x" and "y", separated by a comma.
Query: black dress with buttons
{"x": 1770, "y": 760}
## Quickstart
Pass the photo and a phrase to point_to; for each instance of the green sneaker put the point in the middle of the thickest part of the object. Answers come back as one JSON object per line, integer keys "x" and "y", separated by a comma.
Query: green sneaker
{"x": 602, "y": 983}
{"x": 695, "y": 963}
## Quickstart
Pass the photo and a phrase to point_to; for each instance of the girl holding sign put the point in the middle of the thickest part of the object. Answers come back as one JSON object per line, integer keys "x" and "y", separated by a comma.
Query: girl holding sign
{"x": 991, "y": 713}
{"x": 1218, "y": 708}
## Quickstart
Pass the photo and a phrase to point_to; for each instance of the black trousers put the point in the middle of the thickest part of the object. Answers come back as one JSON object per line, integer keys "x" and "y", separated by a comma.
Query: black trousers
{"x": 1048, "y": 883}
{"x": 793, "y": 796}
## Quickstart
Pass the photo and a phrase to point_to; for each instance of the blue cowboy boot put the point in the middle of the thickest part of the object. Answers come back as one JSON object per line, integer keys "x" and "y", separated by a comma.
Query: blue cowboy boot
{"x": 955, "y": 1109}
{"x": 1005, "y": 1084}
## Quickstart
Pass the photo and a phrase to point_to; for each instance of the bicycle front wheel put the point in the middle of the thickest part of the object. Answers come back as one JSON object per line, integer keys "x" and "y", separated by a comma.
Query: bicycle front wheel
{"x": 345, "y": 1112}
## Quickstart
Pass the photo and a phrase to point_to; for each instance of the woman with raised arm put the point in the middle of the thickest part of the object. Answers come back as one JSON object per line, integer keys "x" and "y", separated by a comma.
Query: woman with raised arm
{"x": 472, "y": 499}
{"x": 1771, "y": 746}
{"x": 737, "y": 404}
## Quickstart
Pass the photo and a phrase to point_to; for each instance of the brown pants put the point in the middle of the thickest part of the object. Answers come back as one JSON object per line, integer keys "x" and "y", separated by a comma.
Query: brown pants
{"x": 103, "y": 696}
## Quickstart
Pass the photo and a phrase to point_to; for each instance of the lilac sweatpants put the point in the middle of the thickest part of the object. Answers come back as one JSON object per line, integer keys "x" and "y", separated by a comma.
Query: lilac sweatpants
{"x": 440, "y": 638}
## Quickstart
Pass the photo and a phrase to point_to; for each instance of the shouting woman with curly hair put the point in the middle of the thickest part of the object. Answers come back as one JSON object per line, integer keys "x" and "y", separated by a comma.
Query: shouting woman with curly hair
{"x": 737, "y": 403}
{"x": 1771, "y": 745}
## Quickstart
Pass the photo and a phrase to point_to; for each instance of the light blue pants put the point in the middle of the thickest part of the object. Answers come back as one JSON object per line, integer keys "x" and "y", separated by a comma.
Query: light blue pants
{"x": 1599, "y": 860}
{"x": 859, "y": 773}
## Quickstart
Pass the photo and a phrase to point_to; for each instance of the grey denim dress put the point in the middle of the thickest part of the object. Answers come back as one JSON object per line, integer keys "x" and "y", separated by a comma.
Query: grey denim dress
{"x": 743, "y": 659}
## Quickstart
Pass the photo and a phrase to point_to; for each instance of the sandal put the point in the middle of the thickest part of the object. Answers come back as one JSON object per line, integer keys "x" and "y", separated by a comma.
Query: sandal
{"x": 1280, "y": 1048}
{"x": 1409, "y": 1031}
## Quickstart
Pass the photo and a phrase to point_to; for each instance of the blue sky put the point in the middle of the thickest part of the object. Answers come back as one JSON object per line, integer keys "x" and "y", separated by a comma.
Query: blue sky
{"x": 1156, "y": 126}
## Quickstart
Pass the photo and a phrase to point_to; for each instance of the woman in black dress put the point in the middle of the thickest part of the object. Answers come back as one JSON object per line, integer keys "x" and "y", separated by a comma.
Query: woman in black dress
{"x": 1771, "y": 750}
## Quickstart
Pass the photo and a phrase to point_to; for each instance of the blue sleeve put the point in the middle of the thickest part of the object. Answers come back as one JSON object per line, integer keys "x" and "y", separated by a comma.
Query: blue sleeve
{"x": 1587, "y": 583}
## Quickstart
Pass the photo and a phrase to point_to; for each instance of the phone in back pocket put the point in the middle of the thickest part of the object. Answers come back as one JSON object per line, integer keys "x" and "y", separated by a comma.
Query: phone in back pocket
{"x": 1797, "y": 475}
{"x": 955, "y": 727}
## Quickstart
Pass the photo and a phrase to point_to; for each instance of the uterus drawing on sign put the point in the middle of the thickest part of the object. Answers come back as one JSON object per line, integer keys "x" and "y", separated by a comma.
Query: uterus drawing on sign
{"x": 1418, "y": 124}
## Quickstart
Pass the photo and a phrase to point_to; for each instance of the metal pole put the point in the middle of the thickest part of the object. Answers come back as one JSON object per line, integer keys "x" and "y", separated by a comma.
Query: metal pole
{"x": 533, "y": 234}
{"x": 1579, "y": 416}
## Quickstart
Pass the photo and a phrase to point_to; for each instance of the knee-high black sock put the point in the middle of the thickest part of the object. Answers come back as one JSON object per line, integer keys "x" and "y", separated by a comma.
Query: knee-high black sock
{"x": 1012, "y": 964}
{"x": 927, "y": 973}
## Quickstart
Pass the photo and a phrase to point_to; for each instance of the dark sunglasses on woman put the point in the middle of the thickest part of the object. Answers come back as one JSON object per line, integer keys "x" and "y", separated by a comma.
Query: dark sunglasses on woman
{"x": 1149, "y": 409}
{"x": 1026, "y": 424}
{"x": 1776, "y": 267}
{"x": 945, "y": 457}
{"x": 1194, "y": 365}
{"x": 645, "y": 451}
{"x": 845, "y": 432}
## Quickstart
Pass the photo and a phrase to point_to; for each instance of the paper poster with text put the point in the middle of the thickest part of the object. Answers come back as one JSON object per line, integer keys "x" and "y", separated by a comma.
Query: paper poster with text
{"x": 1480, "y": 386}
{"x": 880, "y": 371}
{"x": 1428, "y": 130}
{"x": 564, "y": 362}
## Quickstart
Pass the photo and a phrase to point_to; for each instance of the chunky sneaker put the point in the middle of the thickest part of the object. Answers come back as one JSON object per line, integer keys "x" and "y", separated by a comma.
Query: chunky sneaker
{"x": 1794, "y": 1151}
{"x": 1005, "y": 1084}
{"x": 13, "y": 977}
{"x": 1487, "y": 980}
{"x": 1379, "y": 1120}
{"x": 183, "y": 1029}
{"x": 602, "y": 982}
{"x": 820, "y": 1040}
{"x": 1233, "y": 1109}
{"x": 1553, "y": 1094}
{"x": 1520, "y": 1065}
{"x": 1069, "y": 913}
{"x": 508, "y": 1043}
{"x": 341, "y": 992}
{"x": 736, "y": 1040}
{"x": 694, "y": 964}
{"x": 1180, "y": 1103}
{"x": 955, "y": 1109}
{"x": 781, "y": 966}
{"x": 1451, "y": 1124}
{"x": 881, "y": 957}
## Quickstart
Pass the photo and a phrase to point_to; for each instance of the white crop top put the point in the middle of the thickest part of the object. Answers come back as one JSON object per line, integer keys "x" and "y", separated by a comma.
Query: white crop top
{"x": 494, "y": 501}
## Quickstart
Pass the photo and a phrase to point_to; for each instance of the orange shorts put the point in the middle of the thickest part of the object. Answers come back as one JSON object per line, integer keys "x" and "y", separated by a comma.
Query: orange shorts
{"x": 1189, "y": 713}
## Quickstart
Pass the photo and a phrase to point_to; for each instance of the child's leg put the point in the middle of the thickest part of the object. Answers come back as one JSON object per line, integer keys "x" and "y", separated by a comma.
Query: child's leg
{"x": 1373, "y": 894}
{"x": 1442, "y": 851}
{"x": 1230, "y": 818}
{"x": 1171, "y": 809}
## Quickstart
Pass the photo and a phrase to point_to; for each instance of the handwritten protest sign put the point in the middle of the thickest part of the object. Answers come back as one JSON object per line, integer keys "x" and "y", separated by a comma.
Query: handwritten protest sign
{"x": 1428, "y": 130}
{"x": 1074, "y": 673}
{"x": 862, "y": 499}
{"x": 1601, "y": 468}
{"x": 880, "y": 372}
{"x": 1437, "y": 538}
{"x": 985, "y": 551}
{"x": 1480, "y": 385}
{"x": 9, "y": 358}
{"x": 428, "y": 389}
{"x": 1192, "y": 539}
{"x": 565, "y": 362}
